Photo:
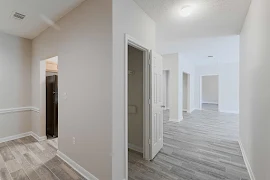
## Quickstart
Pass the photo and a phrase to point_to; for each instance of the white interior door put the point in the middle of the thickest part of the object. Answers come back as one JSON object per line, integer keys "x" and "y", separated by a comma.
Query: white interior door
{"x": 156, "y": 120}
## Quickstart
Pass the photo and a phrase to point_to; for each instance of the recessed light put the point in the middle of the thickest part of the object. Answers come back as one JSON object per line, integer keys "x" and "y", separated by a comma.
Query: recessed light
{"x": 186, "y": 11}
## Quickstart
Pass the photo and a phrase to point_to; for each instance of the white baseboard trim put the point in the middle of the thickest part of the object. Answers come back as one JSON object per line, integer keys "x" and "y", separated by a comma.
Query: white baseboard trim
{"x": 135, "y": 148}
{"x": 18, "y": 136}
{"x": 38, "y": 138}
{"x": 76, "y": 166}
{"x": 231, "y": 112}
{"x": 251, "y": 174}
{"x": 210, "y": 103}
{"x": 176, "y": 120}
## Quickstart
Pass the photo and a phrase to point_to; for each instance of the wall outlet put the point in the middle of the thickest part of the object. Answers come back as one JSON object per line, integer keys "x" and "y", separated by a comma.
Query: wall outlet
{"x": 74, "y": 140}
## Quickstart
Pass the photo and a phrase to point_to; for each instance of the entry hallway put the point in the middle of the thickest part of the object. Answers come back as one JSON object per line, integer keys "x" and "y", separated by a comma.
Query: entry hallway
{"x": 204, "y": 146}
{"x": 27, "y": 159}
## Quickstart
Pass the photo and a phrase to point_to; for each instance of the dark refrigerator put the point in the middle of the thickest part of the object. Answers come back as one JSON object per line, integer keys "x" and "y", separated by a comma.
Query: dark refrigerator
{"x": 52, "y": 106}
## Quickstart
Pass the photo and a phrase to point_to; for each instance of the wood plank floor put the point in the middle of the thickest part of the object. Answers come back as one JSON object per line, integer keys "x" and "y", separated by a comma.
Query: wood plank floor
{"x": 204, "y": 146}
{"x": 27, "y": 159}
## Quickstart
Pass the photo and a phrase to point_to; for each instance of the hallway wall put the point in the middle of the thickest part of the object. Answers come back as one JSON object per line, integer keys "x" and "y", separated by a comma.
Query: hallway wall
{"x": 84, "y": 47}
{"x": 15, "y": 90}
{"x": 255, "y": 88}
{"x": 228, "y": 85}
{"x": 133, "y": 21}
{"x": 178, "y": 64}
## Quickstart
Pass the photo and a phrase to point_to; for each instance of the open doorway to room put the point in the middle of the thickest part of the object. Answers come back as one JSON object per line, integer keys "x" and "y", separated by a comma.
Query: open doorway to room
{"x": 143, "y": 104}
{"x": 166, "y": 77}
{"x": 186, "y": 92}
{"x": 49, "y": 98}
{"x": 209, "y": 92}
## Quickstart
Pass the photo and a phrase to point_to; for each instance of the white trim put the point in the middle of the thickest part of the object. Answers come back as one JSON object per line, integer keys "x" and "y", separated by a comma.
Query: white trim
{"x": 176, "y": 120}
{"x": 231, "y": 112}
{"x": 135, "y": 148}
{"x": 35, "y": 109}
{"x": 210, "y": 103}
{"x": 14, "y": 110}
{"x": 18, "y": 109}
{"x": 38, "y": 138}
{"x": 250, "y": 172}
{"x": 146, "y": 91}
{"x": 76, "y": 166}
{"x": 18, "y": 136}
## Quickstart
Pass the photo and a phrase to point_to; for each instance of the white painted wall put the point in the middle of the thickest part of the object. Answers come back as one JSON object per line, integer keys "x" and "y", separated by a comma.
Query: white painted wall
{"x": 255, "y": 88}
{"x": 225, "y": 49}
{"x": 187, "y": 66}
{"x": 177, "y": 64}
{"x": 128, "y": 18}
{"x": 210, "y": 89}
{"x": 170, "y": 63}
{"x": 135, "y": 97}
{"x": 228, "y": 85}
{"x": 15, "y": 80}
{"x": 84, "y": 47}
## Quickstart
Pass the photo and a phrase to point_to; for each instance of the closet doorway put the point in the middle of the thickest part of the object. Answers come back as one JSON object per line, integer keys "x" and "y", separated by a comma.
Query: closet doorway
{"x": 186, "y": 92}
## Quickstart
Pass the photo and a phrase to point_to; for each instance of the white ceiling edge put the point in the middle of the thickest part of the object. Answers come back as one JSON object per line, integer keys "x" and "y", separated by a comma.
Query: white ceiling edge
{"x": 224, "y": 49}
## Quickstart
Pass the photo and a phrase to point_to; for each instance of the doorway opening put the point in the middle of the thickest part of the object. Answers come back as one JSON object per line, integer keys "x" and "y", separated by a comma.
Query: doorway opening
{"x": 143, "y": 102}
{"x": 135, "y": 100}
{"x": 186, "y": 92}
{"x": 166, "y": 77}
{"x": 209, "y": 92}
{"x": 49, "y": 99}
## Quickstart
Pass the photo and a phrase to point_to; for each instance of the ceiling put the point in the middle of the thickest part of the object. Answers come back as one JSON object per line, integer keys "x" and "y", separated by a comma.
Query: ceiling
{"x": 209, "y": 17}
{"x": 39, "y": 14}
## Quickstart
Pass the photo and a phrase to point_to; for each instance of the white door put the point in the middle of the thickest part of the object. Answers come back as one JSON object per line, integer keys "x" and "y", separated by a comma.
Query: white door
{"x": 156, "y": 120}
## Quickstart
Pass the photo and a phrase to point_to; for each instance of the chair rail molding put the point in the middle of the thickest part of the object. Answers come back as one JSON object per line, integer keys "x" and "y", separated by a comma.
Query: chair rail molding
{"x": 18, "y": 109}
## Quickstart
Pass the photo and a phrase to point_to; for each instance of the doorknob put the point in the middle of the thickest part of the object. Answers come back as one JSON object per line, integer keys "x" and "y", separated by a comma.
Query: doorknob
{"x": 163, "y": 106}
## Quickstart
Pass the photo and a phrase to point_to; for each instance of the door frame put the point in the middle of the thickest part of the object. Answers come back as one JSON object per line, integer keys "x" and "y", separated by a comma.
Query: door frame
{"x": 43, "y": 96}
{"x": 188, "y": 110}
{"x": 201, "y": 88}
{"x": 146, "y": 96}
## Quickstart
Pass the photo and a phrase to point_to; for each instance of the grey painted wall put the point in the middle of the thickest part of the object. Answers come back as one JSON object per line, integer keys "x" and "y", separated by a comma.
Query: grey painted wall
{"x": 84, "y": 47}
{"x": 15, "y": 79}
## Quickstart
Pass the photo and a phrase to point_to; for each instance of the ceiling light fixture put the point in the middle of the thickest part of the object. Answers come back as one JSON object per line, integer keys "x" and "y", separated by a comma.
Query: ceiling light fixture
{"x": 186, "y": 11}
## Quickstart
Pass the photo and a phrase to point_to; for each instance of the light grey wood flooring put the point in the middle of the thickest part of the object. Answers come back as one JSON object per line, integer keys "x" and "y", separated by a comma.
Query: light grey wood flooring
{"x": 210, "y": 107}
{"x": 27, "y": 159}
{"x": 204, "y": 146}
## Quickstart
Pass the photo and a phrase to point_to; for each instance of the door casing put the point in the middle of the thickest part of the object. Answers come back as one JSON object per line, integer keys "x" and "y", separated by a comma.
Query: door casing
{"x": 146, "y": 98}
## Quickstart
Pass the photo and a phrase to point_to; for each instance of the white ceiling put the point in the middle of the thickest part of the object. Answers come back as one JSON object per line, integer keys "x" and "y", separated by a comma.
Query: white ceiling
{"x": 36, "y": 11}
{"x": 223, "y": 49}
{"x": 210, "y": 17}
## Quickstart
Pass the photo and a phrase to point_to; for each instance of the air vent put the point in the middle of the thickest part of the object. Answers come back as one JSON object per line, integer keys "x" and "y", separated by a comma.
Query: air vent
{"x": 18, "y": 16}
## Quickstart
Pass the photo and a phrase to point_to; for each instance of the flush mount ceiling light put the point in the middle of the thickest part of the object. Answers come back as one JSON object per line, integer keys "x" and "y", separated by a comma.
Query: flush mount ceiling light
{"x": 186, "y": 11}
